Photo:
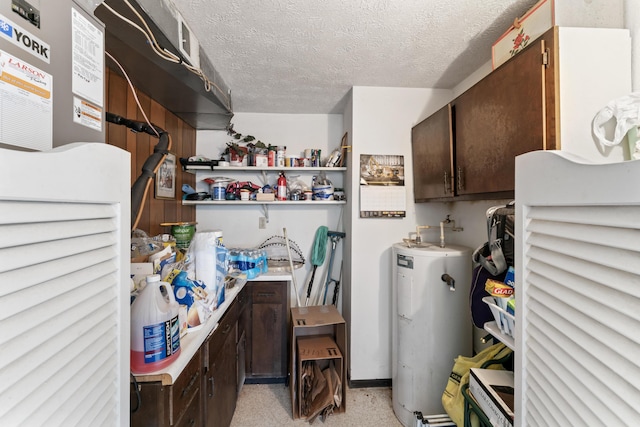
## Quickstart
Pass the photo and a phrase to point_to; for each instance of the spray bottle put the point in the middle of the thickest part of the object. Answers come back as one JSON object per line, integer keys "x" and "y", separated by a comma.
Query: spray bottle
{"x": 282, "y": 187}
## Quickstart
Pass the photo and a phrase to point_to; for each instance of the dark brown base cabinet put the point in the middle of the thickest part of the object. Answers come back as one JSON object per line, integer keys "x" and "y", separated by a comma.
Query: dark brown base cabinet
{"x": 165, "y": 405}
{"x": 220, "y": 364}
{"x": 250, "y": 342}
{"x": 267, "y": 352}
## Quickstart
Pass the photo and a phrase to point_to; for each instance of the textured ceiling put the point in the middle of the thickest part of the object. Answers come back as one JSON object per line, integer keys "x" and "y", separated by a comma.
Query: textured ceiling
{"x": 303, "y": 56}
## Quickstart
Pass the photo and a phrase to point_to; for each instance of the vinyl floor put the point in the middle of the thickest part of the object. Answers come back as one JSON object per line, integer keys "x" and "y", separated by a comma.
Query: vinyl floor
{"x": 269, "y": 405}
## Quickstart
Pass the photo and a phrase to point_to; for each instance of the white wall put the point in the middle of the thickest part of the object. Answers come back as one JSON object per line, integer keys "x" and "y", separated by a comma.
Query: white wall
{"x": 240, "y": 223}
{"x": 380, "y": 115}
{"x": 632, "y": 22}
{"x": 381, "y": 123}
{"x": 601, "y": 57}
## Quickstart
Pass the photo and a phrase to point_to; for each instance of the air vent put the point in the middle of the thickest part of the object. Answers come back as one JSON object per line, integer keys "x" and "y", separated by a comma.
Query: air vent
{"x": 188, "y": 44}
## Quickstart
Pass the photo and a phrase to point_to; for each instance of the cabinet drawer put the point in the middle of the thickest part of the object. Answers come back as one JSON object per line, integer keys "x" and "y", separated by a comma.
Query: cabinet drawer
{"x": 187, "y": 387}
{"x": 268, "y": 292}
{"x": 192, "y": 415}
{"x": 225, "y": 327}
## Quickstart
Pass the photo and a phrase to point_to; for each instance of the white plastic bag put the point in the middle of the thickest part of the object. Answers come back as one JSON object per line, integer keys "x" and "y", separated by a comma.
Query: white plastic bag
{"x": 626, "y": 111}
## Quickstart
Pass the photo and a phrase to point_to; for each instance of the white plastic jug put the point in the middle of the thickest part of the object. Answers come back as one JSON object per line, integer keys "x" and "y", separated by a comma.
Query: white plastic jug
{"x": 155, "y": 328}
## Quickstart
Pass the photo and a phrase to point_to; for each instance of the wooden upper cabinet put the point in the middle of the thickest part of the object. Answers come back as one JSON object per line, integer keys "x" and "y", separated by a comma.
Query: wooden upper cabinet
{"x": 431, "y": 147}
{"x": 519, "y": 107}
{"x": 499, "y": 118}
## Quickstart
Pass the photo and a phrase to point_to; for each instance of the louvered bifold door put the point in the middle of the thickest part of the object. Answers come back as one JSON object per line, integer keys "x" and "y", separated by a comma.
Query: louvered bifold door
{"x": 62, "y": 305}
{"x": 578, "y": 298}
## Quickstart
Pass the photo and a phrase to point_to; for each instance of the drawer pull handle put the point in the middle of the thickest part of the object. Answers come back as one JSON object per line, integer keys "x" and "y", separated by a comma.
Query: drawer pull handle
{"x": 227, "y": 328}
{"x": 460, "y": 179}
{"x": 266, "y": 294}
{"x": 192, "y": 381}
{"x": 447, "y": 183}
{"x": 212, "y": 381}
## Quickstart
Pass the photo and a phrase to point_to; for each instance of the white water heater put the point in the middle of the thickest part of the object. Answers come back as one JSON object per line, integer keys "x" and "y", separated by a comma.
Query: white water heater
{"x": 431, "y": 324}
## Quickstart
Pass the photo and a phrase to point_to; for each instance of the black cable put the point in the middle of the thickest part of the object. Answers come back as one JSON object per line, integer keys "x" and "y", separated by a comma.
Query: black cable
{"x": 138, "y": 398}
{"x": 140, "y": 187}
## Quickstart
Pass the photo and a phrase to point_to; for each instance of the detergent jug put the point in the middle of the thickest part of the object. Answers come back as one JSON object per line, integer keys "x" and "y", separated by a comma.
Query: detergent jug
{"x": 155, "y": 328}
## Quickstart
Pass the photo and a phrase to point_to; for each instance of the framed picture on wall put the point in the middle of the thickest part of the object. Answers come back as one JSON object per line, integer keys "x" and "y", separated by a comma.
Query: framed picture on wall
{"x": 166, "y": 178}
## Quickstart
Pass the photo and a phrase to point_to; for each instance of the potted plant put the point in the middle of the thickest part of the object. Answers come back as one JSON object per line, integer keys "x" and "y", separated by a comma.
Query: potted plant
{"x": 236, "y": 153}
{"x": 243, "y": 146}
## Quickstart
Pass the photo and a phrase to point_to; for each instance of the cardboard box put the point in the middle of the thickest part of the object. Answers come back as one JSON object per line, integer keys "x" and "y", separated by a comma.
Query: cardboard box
{"x": 493, "y": 390}
{"x": 140, "y": 269}
{"x": 146, "y": 265}
{"x": 525, "y": 30}
{"x": 309, "y": 322}
{"x": 265, "y": 197}
{"x": 321, "y": 349}
{"x": 261, "y": 160}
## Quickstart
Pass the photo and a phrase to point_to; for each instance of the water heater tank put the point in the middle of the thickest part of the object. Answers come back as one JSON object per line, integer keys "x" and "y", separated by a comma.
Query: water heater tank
{"x": 431, "y": 324}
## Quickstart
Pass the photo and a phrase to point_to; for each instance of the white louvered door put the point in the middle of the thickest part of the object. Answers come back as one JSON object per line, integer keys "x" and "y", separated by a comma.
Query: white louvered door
{"x": 577, "y": 291}
{"x": 64, "y": 293}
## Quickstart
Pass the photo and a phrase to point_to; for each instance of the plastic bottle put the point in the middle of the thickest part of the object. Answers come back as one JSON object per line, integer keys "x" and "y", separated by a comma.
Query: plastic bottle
{"x": 282, "y": 187}
{"x": 271, "y": 156}
{"x": 155, "y": 327}
{"x": 251, "y": 267}
{"x": 234, "y": 259}
{"x": 256, "y": 260}
{"x": 280, "y": 155}
{"x": 265, "y": 262}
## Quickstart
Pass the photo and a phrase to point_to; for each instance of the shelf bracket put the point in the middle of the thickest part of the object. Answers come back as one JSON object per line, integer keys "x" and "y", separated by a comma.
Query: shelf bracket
{"x": 265, "y": 211}
{"x": 264, "y": 179}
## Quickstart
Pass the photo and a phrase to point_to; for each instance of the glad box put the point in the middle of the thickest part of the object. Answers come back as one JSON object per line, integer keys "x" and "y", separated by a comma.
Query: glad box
{"x": 316, "y": 321}
{"x": 524, "y": 31}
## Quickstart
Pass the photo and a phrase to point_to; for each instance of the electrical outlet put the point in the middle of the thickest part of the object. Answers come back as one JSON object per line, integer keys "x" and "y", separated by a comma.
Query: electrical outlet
{"x": 262, "y": 223}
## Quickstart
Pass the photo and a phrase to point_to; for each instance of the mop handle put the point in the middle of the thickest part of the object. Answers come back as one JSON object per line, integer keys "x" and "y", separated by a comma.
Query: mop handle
{"x": 334, "y": 243}
{"x": 293, "y": 276}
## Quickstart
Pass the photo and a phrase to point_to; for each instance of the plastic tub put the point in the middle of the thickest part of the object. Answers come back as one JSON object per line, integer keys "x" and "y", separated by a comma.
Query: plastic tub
{"x": 182, "y": 231}
{"x": 218, "y": 191}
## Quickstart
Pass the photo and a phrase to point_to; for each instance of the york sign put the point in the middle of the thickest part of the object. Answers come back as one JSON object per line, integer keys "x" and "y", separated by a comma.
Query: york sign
{"x": 23, "y": 39}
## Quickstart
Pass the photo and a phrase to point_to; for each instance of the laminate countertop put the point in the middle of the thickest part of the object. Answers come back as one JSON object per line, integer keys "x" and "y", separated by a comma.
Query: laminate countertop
{"x": 193, "y": 339}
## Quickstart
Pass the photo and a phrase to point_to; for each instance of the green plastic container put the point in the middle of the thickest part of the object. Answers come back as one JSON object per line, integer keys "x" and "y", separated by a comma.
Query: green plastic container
{"x": 183, "y": 233}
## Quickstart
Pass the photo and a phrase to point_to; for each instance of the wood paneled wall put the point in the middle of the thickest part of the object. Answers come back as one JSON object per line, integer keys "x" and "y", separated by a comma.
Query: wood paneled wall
{"x": 120, "y": 101}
